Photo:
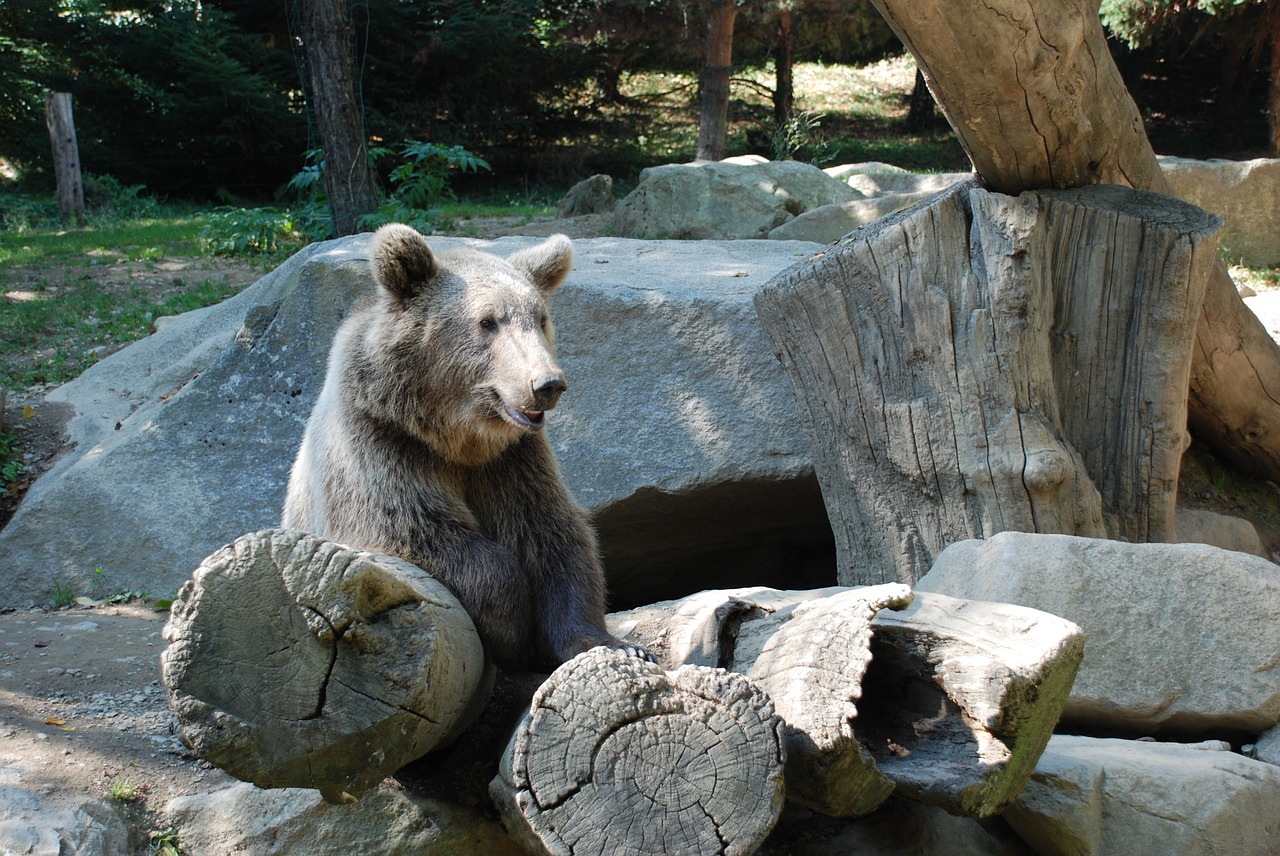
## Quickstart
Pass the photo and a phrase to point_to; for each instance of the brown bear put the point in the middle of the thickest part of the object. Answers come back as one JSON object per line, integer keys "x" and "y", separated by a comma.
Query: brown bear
{"x": 427, "y": 443}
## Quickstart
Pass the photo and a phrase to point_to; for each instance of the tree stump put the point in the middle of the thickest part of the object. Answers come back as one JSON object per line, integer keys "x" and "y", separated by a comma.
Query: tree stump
{"x": 1037, "y": 102}
{"x": 962, "y": 696}
{"x": 296, "y": 662}
{"x": 617, "y": 756}
{"x": 956, "y": 704}
{"x": 984, "y": 363}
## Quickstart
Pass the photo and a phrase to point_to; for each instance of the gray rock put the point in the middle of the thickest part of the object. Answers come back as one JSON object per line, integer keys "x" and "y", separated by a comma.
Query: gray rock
{"x": 899, "y": 827}
{"x": 592, "y": 195}
{"x": 876, "y": 179}
{"x": 1201, "y": 526}
{"x": 243, "y": 819}
{"x": 832, "y": 222}
{"x": 679, "y": 429}
{"x": 36, "y": 826}
{"x": 1090, "y": 797}
{"x": 735, "y": 198}
{"x": 1268, "y": 746}
{"x": 1245, "y": 194}
{"x": 1179, "y": 637}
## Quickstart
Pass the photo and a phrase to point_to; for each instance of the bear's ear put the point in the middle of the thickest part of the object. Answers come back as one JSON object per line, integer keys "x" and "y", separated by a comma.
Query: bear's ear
{"x": 547, "y": 264}
{"x": 401, "y": 260}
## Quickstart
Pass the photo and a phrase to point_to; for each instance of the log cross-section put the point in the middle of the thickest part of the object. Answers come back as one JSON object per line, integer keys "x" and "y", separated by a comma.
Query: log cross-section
{"x": 618, "y": 757}
{"x": 296, "y": 662}
{"x": 984, "y": 363}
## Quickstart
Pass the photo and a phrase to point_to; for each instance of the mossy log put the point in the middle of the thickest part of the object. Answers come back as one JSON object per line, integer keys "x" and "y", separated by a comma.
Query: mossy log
{"x": 618, "y": 756}
{"x": 296, "y": 662}
{"x": 948, "y": 702}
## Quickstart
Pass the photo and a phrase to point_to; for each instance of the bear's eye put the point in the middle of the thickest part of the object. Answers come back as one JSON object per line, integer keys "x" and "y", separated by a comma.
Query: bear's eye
{"x": 543, "y": 321}
{"x": 489, "y": 323}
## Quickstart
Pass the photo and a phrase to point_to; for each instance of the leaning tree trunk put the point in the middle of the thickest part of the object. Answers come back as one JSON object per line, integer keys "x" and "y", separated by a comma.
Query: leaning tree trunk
{"x": 1037, "y": 102}
{"x": 984, "y": 363}
{"x": 331, "y": 94}
{"x": 713, "y": 83}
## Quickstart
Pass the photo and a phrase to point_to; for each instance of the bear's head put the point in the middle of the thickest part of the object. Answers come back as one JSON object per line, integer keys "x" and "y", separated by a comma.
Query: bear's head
{"x": 462, "y": 342}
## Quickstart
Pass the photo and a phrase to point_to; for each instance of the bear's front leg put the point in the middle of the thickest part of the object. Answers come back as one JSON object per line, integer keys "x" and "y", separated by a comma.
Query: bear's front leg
{"x": 521, "y": 502}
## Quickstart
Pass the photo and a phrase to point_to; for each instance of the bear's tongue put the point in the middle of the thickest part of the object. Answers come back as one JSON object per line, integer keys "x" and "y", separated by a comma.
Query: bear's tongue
{"x": 530, "y": 418}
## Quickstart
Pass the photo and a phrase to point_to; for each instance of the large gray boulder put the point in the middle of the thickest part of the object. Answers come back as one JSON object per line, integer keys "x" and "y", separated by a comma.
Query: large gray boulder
{"x": 1245, "y": 194}
{"x": 1179, "y": 637}
{"x": 679, "y": 430}
{"x": 829, "y": 223}
{"x": 245, "y": 819}
{"x": 743, "y": 197}
{"x": 1093, "y": 797}
{"x": 878, "y": 179}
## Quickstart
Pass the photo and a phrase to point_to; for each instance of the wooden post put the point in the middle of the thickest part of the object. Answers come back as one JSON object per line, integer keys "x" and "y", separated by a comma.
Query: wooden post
{"x": 66, "y": 155}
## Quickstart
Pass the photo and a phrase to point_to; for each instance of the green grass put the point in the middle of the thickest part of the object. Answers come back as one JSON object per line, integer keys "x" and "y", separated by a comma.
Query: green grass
{"x": 151, "y": 239}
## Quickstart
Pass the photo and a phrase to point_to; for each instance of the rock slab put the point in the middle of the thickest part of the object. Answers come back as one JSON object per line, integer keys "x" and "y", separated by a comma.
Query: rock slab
{"x": 679, "y": 431}
{"x": 1182, "y": 638}
{"x": 1094, "y": 796}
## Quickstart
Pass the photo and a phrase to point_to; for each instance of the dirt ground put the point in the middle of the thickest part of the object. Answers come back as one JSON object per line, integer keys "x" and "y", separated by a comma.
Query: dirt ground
{"x": 83, "y": 712}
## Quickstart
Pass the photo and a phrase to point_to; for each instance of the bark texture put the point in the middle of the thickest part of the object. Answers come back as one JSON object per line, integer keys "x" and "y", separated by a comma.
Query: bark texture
{"x": 617, "y": 756}
{"x": 331, "y": 94}
{"x": 713, "y": 82}
{"x": 1035, "y": 98}
{"x": 295, "y": 662}
{"x": 985, "y": 363}
{"x": 66, "y": 155}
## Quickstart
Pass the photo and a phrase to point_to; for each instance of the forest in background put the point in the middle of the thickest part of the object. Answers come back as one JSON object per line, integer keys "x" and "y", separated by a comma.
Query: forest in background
{"x": 203, "y": 99}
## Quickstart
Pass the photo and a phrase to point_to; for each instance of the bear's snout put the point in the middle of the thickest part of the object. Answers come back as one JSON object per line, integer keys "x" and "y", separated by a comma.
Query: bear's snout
{"x": 547, "y": 389}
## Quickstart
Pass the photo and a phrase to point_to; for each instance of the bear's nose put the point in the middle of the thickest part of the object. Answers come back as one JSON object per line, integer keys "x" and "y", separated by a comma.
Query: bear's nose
{"x": 547, "y": 389}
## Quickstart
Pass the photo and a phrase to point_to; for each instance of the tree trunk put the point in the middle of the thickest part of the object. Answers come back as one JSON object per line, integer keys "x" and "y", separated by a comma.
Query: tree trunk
{"x": 618, "y": 756}
{"x": 1271, "y": 20}
{"x": 1037, "y": 102}
{"x": 921, "y": 115}
{"x": 713, "y": 82}
{"x": 66, "y": 155}
{"x": 294, "y": 662}
{"x": 783, "y": 86}
{"x": 986, "y": 363}
{"x": 872, "y": 699}
{"x": 331, "y": 94}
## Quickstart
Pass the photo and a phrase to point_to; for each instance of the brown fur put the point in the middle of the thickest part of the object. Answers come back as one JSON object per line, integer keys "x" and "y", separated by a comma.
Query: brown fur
{"x": 426, "y": 443}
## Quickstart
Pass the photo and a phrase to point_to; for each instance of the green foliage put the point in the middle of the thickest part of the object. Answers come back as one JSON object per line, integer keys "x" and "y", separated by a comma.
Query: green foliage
{"x": 1139, "y": 22}
{"x": 789, "y": 137}
{"x": 63, "y": 594}
{"x": 12, "y": 469}
{"x": 252, "y": 233}
{"x": 164, "y": 842}
{"x": 107, "y": 197}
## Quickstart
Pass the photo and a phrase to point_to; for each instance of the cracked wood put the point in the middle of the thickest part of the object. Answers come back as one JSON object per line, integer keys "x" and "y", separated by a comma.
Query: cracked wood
{"x": 617, "y": 756}
{"x": 983, "y": 363}
{"x": 296, "y": 662}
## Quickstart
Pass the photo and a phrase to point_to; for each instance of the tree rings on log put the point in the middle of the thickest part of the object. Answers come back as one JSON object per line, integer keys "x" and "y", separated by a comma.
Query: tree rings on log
{"x": 962, "y": 696}
{"x": 296, "y": 662}
{"x": 617, "y": 756}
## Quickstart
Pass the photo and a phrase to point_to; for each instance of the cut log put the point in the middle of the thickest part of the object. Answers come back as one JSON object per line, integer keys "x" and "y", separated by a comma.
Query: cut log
{"x": 1037, "y": 102}
{"x": 983, "y": 363}
{"x": 962, "y": 697}
{"x": 958, "y": 701}
{"x": 617, "y": 756}
{"x": 811, "y": 659}
{"x": 296, "y": 662}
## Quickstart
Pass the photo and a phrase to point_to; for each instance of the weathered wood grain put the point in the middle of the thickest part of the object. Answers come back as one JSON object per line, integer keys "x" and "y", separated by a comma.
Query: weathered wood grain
{"x": 617, "y": 756}
{"x": 296, "y": 662}
{"x": 962, "y": 696}
{"x": 1037, "y": 102}
{"x": 984, "y": 363}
